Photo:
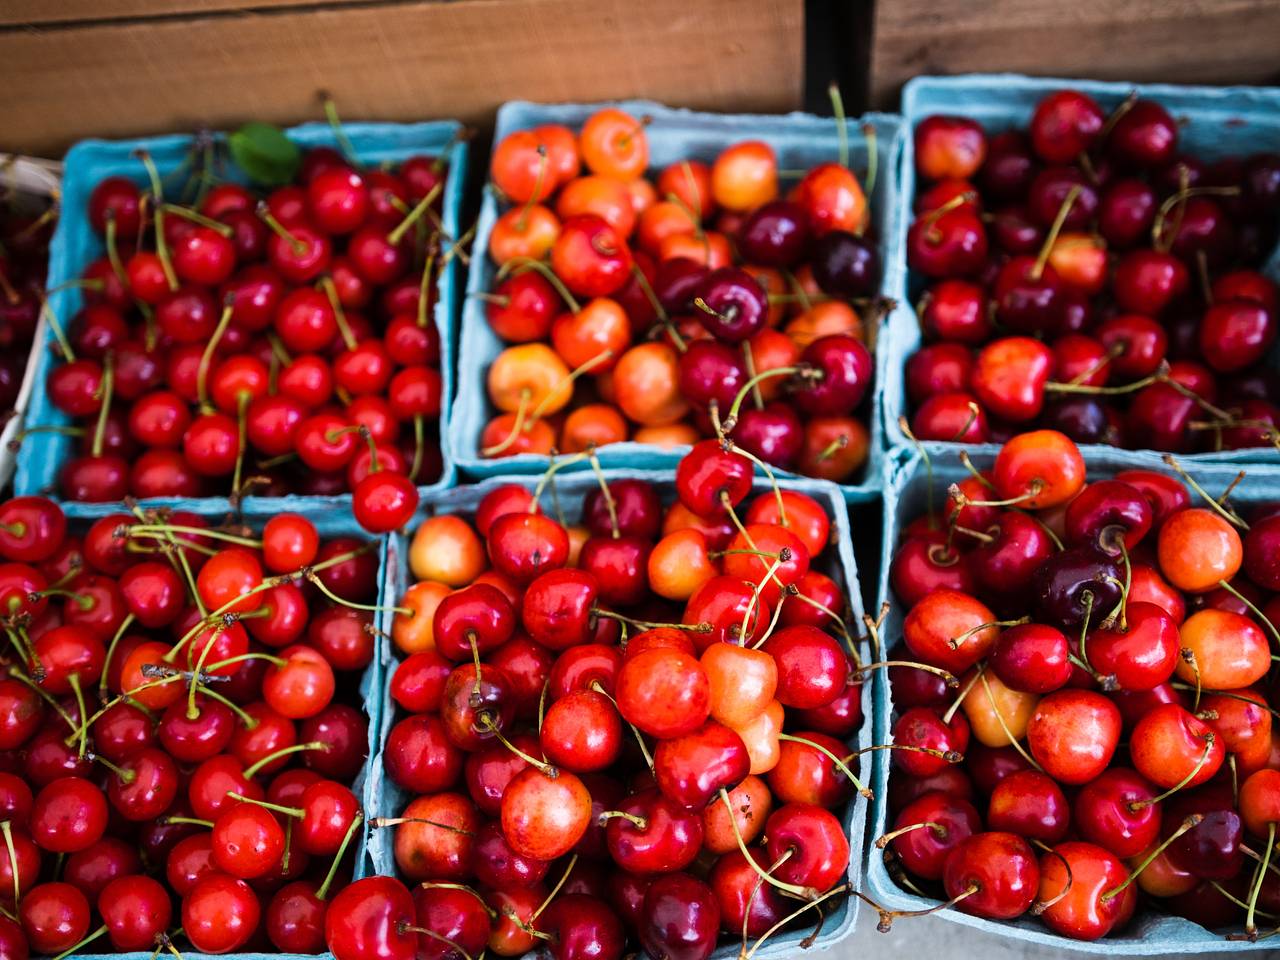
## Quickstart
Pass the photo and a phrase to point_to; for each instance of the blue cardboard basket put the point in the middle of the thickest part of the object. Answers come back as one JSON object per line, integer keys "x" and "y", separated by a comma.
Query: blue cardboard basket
{"x": 1216, "y": 122}
{"x": 906, "y": 484}
{"x": 387, "y": 799}
{"x": 330, "y": 523}
{"x": 75, "y": 245}
{"x": 800, "y": 140}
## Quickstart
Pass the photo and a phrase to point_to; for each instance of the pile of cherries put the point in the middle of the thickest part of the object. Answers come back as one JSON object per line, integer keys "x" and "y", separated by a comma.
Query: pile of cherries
{"x": 25, "y": 230}
{"x": 653, "y": 310}
{"x": 176, "y": 734}
{"x": 1085, "y": 275}
{"x": 1088, "y": 726}
{"x": 247, "y": 344}
{"x": 630, "y": 731}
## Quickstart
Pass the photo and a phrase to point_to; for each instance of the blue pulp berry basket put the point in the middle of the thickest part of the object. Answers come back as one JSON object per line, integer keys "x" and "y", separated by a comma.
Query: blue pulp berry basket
{"x": 330, "y": 523}
{"x": 388, "y": 799}
{"x": 1216, "y": 122}
{"x": 906, "y": 485}
{"x": 75, "y": 244}
{"x": 801, "y": 140}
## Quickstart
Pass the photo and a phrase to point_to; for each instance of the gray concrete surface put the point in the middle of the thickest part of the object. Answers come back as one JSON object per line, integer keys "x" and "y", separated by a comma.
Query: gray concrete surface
{"x": 931, "y": 938}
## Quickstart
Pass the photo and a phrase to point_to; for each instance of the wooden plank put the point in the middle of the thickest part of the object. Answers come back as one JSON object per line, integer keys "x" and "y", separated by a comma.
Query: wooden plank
{"x": 395, "y": 61}
{"x": 37, "y": 12}
{"x": 1179, "y": 41}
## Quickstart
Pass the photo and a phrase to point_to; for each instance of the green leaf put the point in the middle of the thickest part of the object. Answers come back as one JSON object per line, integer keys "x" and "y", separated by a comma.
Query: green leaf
{"x": 265, "y": 154}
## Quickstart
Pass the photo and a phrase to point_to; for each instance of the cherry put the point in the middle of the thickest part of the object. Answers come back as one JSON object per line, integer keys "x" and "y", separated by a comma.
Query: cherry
{"x": 928, "y": 829}
{"x": 370, "y": 920}
{"x": 1144, "y": 137}
{"x": 55, "y": 917}
{"x": 997, "y": 872}
{"x": 1115, "y": 812}
{"x": 69, "y": 814}
{"x": 1086, "y": 889}
{"x": 543, "y": 817}
{"x": 679, "y": 918}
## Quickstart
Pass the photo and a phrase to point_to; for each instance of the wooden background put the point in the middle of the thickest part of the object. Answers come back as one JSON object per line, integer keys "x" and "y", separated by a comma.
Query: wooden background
{"x": 74, "y": 68}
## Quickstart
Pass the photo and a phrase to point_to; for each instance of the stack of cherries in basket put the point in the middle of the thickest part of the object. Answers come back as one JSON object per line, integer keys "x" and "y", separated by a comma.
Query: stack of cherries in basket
{"x": 24, "y": 257}
{"x": 1088, "y": 276}
{"x": 177, "y": 740}
{"x": 1088, "y": 730}
{"x": 626, "y": 734}
{"x": 266, "y": 345}
{"x": 653, "y": 309}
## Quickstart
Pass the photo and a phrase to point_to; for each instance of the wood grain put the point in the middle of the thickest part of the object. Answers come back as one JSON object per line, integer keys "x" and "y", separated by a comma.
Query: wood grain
{"x": 394, "y": 61}
{"x": 1179, "y": 41}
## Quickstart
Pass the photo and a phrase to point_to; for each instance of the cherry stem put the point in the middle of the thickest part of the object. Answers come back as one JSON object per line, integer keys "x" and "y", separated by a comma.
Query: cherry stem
{"x": 832, "y": 448}
{"x": 1229, "y": 515}
{"x": 731, "y": 420}
{"x": 768, "y": 472}
{"x": 188, "y": 214}
{"x": 1249, "y": 927}
{"x": 888, "y": 916}
{"x": 257, "y": 655}
{"x": 644, "y": 748}
{"x": 7, "y": 829}
{"x": 995, "y": 709}
{"x": 755, "y": 890}
{"x": 517, "y": 425}
{"x": 609, "y": 503}
{"x": 522, "y": 222}
{"x": 703, "y": 627}
{"x": 210, "y": 532}
{"x": 949, "y": 678}
{"x": 1115, "y": 350}
{"x": 573, "y": 375}
{"x": 113, "y": 251}
{"x": 193, "y": 821}
{"x": 279, "y": 229}
{"x": 1252, "y": 607}
{"x": 842, "y": 125}
{"x": 954, "y": 642}
{"x": 74, "y": 682}
{"x": 126, "y": 776}
{"x": 957, "y": 495}
{"x": 862, "y": 788}
{"x": 125, "y": 624}
{"x": 658, "y": 309}
{"x": 554, "y": 890}
{"x": 755, "y": 599}
{"x": 162, "y": 245}
{"x": 1158, "y": 238}
{"x": 381, "y": 822}
{"x": 314, "y": 579}
{"x": 340, "y": 135}
{"x": 1187, "y": 824}
{"x": 1160, "y": 376}
{"x": 1228, "y": 895}
{"x": 206, "y": 358}
{"x": 397, "y": 234}
{"x": 938, "y": 829}
{"x": 1051, "y": 238}
{"x": 356, "y": 821}
{"x": 805, "y": 893}
{"x": 640, "y": 823}
{"x": 552, "y": 468}
{"x": 873, "y": 158}
{"x": 339, "y": 315}
{"x": 812, "y": 903}
{"x": 104, "y": 410}
{"x": 423, "y": 297}
{"x": 87, "y": 940}
{"x": 256, "y": 767}
{"x": 296, "y": 812}
{"x": 1040, "y": 906}
{"x": 546, "y": 769}
{"x": 1209, "y": 740}
{"x": 1084, "y": 629}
